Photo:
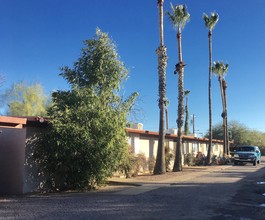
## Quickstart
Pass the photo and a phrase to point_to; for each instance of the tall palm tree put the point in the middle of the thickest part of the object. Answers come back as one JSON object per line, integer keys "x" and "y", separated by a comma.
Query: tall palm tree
{"x": 210, "y": 22}
{"x": 160, "y": 167}
{"x": 179, "y": 17}
{"x": 220, "y": 69}
{"x": 186, "y": 125}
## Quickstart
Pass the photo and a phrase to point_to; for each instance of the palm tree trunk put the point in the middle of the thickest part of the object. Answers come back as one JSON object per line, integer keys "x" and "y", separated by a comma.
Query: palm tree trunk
{"x": 160, "y": 167}
{"x": 166, "y": 112}
{"x": 186, "y": 125}
{"x": 178, "y": 156}
{"x": 161, "y": 21}
{"x": 226, "y": 118}
{"x": 209, "y": 153}
{"x": 223, "y": 115}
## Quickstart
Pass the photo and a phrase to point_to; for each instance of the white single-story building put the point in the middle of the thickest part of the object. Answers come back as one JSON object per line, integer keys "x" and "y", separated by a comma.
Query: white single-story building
{"x": 16, "y": 134}
{"x": 146, "y": 142}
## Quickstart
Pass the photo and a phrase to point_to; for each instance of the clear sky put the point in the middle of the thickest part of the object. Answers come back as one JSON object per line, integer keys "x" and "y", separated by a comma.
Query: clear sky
{"x": 40, "y": 36}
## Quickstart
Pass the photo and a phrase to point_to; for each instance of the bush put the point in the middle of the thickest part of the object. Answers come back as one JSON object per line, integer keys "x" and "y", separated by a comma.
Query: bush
{"x": 220, "y": 160}
{"x": 151, "y": 164}
{"x": 189, "y": 159}
{"x": 200, "y": 159}
{"x": 169, "y": 157}
{"x": 133, "y": 165}
{"x": 86, "y": 140}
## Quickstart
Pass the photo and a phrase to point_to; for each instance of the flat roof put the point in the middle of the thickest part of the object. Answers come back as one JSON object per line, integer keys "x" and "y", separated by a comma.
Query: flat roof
{"x": 14, "y": 122}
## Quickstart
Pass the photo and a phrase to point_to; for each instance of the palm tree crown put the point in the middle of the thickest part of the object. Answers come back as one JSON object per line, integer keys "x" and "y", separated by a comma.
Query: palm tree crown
{"x": 186, "y": 92}
{"x": 179, "y": 16}
{"x": 220, "y": 68}
{"x": 211, "y": 21}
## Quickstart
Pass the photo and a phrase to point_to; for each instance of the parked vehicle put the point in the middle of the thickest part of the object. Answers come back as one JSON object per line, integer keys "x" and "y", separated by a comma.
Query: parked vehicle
{"x": 247, "y": 154}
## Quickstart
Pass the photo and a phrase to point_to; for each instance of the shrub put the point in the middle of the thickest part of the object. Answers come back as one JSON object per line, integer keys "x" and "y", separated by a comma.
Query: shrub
{"x": 189, "y": 159}
{"x": 221, "y": 160}
{"x": 151, "y": 164}
{"x": 200, "y": 159}
{"x": 169, "y": 156}
{"x": 86, "y": 140}
{"x": 133, "y": 165}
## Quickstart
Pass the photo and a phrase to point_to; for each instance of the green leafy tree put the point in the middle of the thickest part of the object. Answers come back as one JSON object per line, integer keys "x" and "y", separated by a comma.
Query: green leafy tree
{"x": 160, "y": 166}
{"x": 86, "y": 141}
{"x": 179, "y": 17}
{"x": 240, "y": 134}
{"x": 210, "y": 22}
{"x": 220, "y": 69}
{"x": 26, "y": 100}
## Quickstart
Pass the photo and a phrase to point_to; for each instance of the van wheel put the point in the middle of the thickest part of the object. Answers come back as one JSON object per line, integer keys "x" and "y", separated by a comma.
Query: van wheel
{"x": 254, "y": 163}
{"x": 235, "y": 162}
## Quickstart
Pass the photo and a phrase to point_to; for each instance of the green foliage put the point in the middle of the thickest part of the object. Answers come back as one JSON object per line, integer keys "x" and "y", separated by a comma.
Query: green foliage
{"x": 198, "y": 160}
{"x": 220, "y": 68}
{"x": 240, "y": 134}
{"x": 179, "y": 16}
{"x": 211, "y": 21}
{"x": 86, "y": 140}
{"x": 26, "y": 100}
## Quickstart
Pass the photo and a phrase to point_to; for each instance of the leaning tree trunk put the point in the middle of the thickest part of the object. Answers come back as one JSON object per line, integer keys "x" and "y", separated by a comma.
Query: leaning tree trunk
{"x": 180, "y": 70}
{"x": 209, "y": 153}
{"x": 223, "y": 115}
{"x": 160, "y": 166}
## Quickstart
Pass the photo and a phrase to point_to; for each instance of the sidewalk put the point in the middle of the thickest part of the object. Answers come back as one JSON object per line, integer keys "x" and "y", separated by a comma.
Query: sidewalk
{"x": 169, "y": 177}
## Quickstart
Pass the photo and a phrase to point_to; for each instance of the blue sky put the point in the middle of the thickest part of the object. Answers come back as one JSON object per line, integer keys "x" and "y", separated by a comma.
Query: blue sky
{"x": 40, "y": 36}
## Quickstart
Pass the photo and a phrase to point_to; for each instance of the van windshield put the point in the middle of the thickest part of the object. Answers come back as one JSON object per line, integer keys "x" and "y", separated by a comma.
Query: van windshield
{"x": 249, "y": 149}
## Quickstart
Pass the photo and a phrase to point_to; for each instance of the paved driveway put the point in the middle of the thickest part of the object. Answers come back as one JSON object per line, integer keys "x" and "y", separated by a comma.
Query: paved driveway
{"x": 223, "y": 192}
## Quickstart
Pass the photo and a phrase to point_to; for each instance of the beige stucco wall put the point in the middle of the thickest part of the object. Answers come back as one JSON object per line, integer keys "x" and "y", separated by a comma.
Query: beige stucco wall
{"x": 148, "y": 146}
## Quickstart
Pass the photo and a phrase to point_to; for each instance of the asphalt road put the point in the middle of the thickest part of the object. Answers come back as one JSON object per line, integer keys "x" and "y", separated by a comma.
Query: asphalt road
{"x": 231, "y": 192}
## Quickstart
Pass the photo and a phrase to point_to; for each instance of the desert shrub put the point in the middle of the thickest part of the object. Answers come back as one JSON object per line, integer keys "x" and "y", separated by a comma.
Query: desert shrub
{"x": 151, "y": 164}
{"x": 200, "y": 159}
{"x": 221, "y": 160}
{"x": 133, "y": 165}
{"x": 169, "y": 155}
{"x": 189, "y": 159}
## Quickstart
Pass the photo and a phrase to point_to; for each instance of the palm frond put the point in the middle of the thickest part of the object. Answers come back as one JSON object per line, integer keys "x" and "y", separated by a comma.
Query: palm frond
{"x": 211, "y": 21}
{"x": 186, "y": 92}
{"x": 219, "y": 68}
{"x": 206, "y": 19}
{"x": 179, "y": 16}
